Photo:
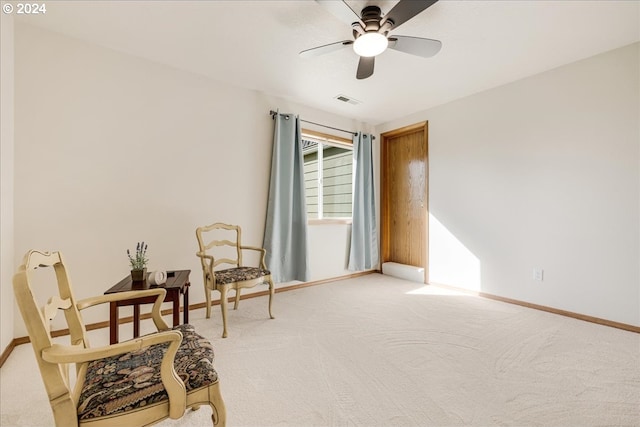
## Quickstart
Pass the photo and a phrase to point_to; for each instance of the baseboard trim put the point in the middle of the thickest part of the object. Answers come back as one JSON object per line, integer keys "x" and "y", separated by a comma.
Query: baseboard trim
{"x": 99, "y": 325}
{"x": 583, "y": 317}
{"x": 7, "y": 351}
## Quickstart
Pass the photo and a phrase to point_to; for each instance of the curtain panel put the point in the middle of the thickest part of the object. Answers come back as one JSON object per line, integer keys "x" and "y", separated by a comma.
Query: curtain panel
{"x": 363, "y": 253}
{"x": 285, "y": 235}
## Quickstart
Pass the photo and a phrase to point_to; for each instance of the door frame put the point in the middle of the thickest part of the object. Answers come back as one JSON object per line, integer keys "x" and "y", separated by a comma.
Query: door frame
{"x": 385, "y": 226}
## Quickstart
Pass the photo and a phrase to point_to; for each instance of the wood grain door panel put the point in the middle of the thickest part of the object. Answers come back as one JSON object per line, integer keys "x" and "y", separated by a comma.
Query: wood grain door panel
{"x": 405, "y": 212}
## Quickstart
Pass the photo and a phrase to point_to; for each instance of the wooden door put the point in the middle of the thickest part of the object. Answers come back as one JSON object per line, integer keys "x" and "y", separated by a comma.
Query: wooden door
{"x": 405, "y": 208}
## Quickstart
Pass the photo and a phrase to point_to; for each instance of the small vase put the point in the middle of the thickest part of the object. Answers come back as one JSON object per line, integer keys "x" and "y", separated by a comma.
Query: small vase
{"x": 139, "y": 275}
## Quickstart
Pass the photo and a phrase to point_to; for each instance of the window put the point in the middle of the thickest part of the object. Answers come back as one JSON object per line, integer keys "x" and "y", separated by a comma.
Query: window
{"x": 328, "y": 175}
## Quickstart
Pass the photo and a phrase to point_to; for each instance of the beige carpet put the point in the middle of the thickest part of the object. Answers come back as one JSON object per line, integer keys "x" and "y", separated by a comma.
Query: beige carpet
{"x": 379, "y": 351}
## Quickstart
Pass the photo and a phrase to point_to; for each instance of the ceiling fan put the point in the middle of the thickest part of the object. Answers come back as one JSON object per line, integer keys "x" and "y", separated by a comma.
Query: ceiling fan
{"x": 371, "y": 32}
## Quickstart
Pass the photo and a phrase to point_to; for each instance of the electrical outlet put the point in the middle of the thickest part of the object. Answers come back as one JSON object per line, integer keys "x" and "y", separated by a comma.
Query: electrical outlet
{"x": 538, "y": 274}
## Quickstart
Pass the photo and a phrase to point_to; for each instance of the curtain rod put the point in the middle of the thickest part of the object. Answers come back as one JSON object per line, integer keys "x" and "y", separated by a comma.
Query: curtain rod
{"x": 273, "y": 113}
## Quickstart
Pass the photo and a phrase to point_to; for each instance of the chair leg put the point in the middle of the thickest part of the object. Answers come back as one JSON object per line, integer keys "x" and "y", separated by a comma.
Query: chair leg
{"x": 235, "y": 304}
{"x": 219, "y": 411}
{"x": 223, "y": 308}
{"x": 271, "y": 292}
{"x": 207, "y": 294}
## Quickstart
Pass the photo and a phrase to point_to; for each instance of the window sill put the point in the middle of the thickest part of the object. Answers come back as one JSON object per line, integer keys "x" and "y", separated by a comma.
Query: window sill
{"x": 324, "y": 221}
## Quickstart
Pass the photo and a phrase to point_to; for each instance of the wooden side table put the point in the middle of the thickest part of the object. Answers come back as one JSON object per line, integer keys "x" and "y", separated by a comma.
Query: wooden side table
{"x": 177, "y": 283}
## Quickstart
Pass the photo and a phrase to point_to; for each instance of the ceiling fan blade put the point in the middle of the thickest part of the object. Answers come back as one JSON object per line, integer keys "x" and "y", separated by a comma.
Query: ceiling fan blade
{"x": 341, "y": 10}
{"x": 321, "y": 50}
{"x": 365, "y": 67}
{"x": 405, "y": 10}
{"x": 419, "y": 46}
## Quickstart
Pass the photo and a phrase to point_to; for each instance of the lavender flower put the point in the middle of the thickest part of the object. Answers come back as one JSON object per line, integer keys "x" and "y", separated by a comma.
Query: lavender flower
{"x": 139, "y": 261}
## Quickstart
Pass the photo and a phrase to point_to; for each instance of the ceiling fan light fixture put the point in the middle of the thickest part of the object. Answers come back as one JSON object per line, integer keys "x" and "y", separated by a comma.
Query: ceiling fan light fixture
{"x": 370, "y": 44}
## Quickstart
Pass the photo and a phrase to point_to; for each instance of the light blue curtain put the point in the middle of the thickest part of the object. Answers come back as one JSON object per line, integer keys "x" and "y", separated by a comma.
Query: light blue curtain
{"x": 285, "y": 234}
{"x": 363, "y": 254}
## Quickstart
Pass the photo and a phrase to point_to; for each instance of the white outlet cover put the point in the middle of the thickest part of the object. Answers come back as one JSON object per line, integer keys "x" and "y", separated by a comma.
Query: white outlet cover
{"x": 538, "y": 274}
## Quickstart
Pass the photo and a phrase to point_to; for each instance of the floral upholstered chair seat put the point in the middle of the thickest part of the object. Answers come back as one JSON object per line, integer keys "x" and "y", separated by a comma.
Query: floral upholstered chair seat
{"x": 131, "y": 381}
{"x": 239, "y": 274}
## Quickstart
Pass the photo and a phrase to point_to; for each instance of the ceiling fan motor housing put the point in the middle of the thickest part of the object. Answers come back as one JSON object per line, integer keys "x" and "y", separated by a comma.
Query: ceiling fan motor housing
{"x": 371, "y": 40}
{"x": 371, "y": 16}
{"x": 371, "y": 13}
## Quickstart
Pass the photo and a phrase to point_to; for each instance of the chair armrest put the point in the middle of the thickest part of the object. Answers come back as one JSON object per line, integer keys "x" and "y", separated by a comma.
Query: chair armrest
{"x": 174, "y": 386}
{"x": 61, "y": 353}
{"x": 204, "y": 258}
{"x": 120, "y": 296}
{"x": 203, "y": 255}
{"x": 262, "y": 255}
{"x": 208, "y": 261}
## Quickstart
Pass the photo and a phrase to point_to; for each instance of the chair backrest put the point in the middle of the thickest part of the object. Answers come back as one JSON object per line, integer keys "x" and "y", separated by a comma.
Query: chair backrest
{"x": 38, "y": 323}
{"x": 220, "y": 236}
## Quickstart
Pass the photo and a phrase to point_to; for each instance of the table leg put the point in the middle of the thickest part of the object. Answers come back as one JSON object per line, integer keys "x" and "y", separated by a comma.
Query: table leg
{"x": 186, "y": 304}
{"x": 175, "y": 298}
{"x": 113, "y": 323}
{"x": 136, "y": 320}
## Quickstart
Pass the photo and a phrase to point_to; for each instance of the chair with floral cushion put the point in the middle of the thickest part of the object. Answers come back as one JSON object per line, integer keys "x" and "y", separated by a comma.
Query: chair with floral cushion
{"x": 132, "y": 383}
{"x": 225, "y": 240}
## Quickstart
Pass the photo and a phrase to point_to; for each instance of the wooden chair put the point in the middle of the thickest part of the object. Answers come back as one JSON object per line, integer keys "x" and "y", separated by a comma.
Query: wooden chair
{"x": 132, "y": 383}
{"x": 236, "y": 277}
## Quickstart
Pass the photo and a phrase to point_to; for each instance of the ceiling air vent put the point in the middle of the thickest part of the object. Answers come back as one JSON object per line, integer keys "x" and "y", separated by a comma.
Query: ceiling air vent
{"x": 347, "y": 99}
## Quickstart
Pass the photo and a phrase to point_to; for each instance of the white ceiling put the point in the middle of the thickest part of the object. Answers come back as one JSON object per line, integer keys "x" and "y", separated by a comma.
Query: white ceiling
{"x": 255, "y": 44}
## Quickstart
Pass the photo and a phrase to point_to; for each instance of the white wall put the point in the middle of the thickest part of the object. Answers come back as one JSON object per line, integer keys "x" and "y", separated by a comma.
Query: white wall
{"x": 6, "y": 180}
{"x": 543, "y": 172}
{"x": 113, "y": 149}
